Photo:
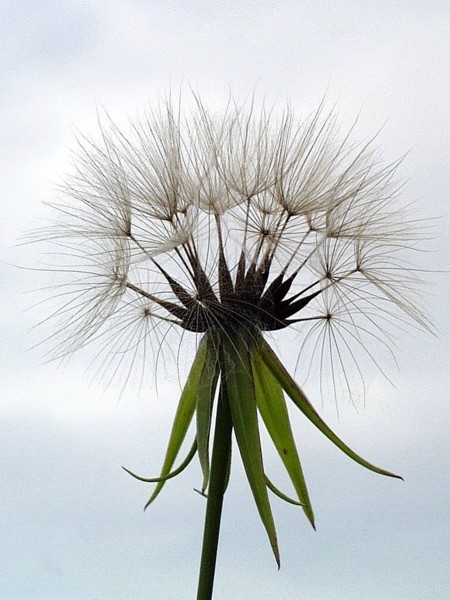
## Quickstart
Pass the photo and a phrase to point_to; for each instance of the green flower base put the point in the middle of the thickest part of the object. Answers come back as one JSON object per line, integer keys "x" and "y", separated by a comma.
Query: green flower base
{"x": 251, "y": 380}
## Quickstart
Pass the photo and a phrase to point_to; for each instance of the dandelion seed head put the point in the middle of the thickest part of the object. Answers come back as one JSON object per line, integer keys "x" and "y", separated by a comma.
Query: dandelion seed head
{"x": 251, "y": 219}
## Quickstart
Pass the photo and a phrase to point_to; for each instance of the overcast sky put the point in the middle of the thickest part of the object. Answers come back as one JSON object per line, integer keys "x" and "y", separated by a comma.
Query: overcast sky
{"x": 71, "y": 521}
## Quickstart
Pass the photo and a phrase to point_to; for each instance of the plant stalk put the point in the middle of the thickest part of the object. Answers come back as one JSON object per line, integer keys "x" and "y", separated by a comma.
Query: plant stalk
{"x": 219, "y": 471}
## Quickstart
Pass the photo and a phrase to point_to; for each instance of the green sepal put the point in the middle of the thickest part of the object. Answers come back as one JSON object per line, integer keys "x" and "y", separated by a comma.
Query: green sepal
{"x": 203, "y": 493}
{"x": 280, "y": 494}
{"x": 174, "y": 473}
{"x": 183, "y": 416}
{"x": 273, "y": 410}
{"x": 239, "y": 391}
{"x": 205, "y": 399}
{"x": 301, "y": 401}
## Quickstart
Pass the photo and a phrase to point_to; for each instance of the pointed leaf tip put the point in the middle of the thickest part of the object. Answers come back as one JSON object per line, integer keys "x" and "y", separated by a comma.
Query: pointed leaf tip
{"x": 273, "y": 410}
{"x": 183, "y": 415}
{"x": 239, "y": 390}
{"x": 297, "y": 395}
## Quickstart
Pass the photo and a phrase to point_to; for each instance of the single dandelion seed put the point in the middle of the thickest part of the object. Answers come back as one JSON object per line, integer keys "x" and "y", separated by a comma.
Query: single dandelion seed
{"x": 226, "y": 228}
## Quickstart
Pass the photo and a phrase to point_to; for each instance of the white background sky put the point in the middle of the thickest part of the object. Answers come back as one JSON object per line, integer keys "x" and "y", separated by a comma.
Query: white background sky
{"x": 71, "y": 521}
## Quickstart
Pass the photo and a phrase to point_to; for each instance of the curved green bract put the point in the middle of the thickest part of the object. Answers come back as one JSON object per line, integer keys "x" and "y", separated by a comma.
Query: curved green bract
{"x": 183, "y": 416}
{"x": 205, "y": 399}
{"x": 273, "y": 410}
{"x": 239, "y": 391}
{"x": 302, "y": 402}
{"x": 253, "y": 382}
{"x": 280, "y": 494}
{"x": 227, "y": 479}
{"x": 172, "y": 474}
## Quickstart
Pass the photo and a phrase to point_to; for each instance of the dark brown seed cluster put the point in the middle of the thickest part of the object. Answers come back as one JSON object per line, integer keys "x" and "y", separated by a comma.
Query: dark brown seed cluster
{"x": 247, "y": 301}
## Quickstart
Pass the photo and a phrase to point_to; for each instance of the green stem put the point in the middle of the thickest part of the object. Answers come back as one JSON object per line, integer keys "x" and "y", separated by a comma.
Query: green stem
{"x": 217, "y": 484}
